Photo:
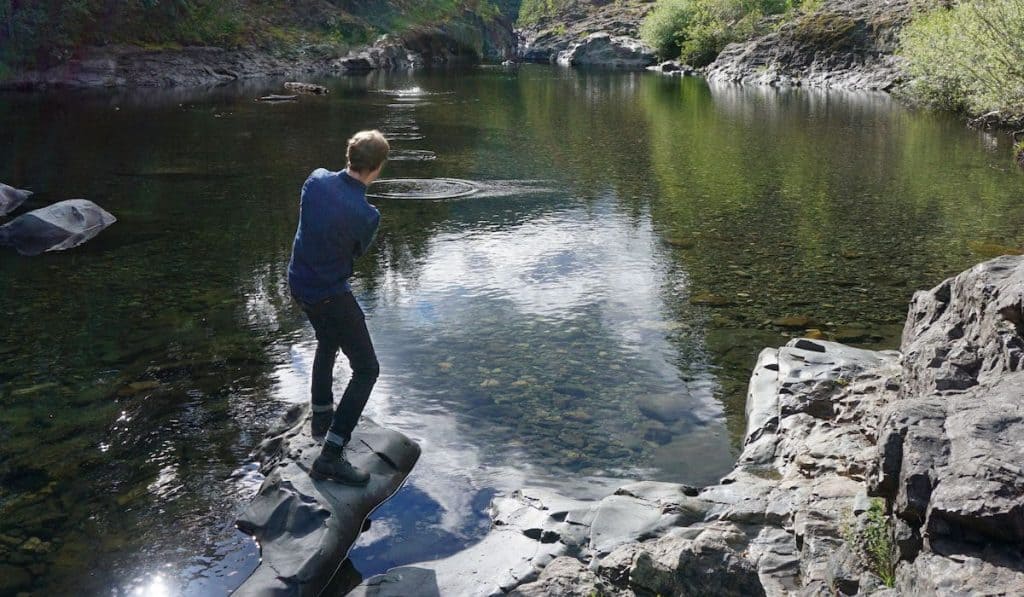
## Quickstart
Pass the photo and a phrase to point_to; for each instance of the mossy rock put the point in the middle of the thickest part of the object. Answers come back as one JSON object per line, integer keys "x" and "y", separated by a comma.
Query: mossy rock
{"x": 829, "y": 30}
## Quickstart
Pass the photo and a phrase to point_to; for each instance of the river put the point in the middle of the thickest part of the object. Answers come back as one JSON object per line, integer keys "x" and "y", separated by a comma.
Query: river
{"x": 591, "y": 315}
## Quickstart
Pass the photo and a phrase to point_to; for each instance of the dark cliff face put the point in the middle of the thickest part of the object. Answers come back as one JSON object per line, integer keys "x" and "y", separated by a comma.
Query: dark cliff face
{"x": 99, "y": 45}
{"x": 434, "y": 33}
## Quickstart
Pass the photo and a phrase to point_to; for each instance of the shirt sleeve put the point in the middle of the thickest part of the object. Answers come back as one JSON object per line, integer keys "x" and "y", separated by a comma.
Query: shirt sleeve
{"x": 367, "y": 232}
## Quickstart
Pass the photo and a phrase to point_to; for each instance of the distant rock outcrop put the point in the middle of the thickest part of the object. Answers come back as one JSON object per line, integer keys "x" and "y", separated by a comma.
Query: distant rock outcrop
{"x": 467, "y": 39}
{"x": 604, "y": 50}
{"x": 552, "y": 38}
{"x": 844, "y": 43}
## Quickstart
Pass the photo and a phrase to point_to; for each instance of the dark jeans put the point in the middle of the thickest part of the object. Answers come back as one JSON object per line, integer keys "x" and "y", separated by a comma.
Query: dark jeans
{"x": 340, "y": 324}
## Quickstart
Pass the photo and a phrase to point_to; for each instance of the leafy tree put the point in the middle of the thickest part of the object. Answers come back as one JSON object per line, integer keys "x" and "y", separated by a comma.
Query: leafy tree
{"x": 969, "y": 57}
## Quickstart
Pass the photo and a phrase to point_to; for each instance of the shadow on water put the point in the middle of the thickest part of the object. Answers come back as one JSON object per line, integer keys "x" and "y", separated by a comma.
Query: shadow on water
{"x": 590, "y": 315}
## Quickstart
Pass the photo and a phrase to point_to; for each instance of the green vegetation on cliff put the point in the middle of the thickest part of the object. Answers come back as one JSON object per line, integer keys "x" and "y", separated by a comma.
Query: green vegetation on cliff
{"x": 531, "y": 11}
{"x": 43, "y": 32}
{"x": 697, "y": 30}
{"x": 969, "y": 57}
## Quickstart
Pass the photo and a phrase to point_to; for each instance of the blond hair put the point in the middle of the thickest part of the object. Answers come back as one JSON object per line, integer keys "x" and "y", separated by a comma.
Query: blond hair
{"x": 367, "y": 151}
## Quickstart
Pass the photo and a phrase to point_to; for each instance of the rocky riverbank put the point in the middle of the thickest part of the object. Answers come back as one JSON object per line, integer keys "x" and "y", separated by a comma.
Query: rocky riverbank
{"x": 863, "y": 472}
{"x": 465, "y": 41}
{"x": 848, "y": 44}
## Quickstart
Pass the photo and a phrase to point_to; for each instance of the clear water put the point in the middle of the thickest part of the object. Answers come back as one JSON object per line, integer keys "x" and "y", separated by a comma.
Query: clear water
{"x": 636, "y": 239}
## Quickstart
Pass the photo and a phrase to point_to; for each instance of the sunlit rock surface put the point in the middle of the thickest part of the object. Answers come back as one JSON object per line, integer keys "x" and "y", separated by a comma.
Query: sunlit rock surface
{"x": 933, "y": 433}
{"x": 56, "y": 227}
{"x": 949, "y": 451}
{"x": 607, "y": 51}
{"x": 305, "y": 528}
{"x": 566, "y": 23}
{"x": 844, "y": 43}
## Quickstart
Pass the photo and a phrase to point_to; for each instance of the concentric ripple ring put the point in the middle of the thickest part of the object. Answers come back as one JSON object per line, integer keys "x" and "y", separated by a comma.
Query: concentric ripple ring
{"x": 422, "y": 188}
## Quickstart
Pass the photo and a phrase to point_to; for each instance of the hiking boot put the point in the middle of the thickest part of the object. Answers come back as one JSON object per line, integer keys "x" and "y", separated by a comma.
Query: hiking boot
{"x": 321, "y": 423}
{"x": 331, "y": 465}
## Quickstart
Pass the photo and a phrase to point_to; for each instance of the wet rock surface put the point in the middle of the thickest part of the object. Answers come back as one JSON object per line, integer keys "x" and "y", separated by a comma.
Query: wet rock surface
{"x": 305, "y": 528}
{"x": 844, "y": 43}
{"x": 58, "y": 227}
{"x": 841, "y": 444}
{"x": 11, "y": 198}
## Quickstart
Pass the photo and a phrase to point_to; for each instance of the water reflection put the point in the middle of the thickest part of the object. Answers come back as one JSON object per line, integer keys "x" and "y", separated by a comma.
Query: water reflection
{"x": 591, "y": 314}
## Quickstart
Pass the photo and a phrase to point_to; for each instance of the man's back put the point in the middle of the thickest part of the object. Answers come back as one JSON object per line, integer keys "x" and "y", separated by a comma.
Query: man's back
{"x": 336, "y": 225}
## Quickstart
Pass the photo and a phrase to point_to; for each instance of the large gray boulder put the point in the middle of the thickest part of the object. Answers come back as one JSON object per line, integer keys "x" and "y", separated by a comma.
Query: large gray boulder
{"x": 57, "y": 227}
{"x": 950, "y": 452}
{"x": 11, "y": 198}
{"x": 606, "y": 51}
{"x": 305, "y": 528}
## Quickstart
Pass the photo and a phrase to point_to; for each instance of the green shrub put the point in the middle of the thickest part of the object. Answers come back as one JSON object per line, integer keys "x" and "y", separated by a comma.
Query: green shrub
{"x": 664, "y": 26}
{"x": 695, "y": 31}
{"x": 879, "y": 545}
{"x": 531, "y": 11}
{"x": 968, "y": 57}
{"x": 827, "y": 30}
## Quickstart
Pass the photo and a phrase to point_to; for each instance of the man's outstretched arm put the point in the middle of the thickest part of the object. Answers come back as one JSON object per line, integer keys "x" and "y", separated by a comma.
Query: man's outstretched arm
{"x": 367, "y": 232}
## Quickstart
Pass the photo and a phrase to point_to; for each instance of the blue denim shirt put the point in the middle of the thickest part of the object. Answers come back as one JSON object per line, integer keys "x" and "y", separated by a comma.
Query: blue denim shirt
{"x": 336, "y": 226}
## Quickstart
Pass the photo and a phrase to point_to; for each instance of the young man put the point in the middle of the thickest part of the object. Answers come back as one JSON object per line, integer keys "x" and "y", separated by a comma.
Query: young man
{"x": 336, "y": 226}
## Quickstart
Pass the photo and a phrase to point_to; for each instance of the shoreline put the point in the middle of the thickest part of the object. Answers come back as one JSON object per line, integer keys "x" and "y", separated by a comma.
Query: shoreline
{"x": 859, "y": 475}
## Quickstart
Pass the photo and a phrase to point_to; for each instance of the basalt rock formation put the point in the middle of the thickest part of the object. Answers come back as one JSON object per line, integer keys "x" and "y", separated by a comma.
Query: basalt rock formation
{"x": 606, "y": 51}
{"x": 862, "y": 473}
{"x": 847, "y": 44}
{"x": 305, "y": 528}
{"x": 556, "y": 37}
{"x": 465, "y": 40}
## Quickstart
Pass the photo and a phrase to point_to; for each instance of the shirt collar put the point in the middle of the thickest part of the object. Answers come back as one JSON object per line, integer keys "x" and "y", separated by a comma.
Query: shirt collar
{"x": 352, "y": 179}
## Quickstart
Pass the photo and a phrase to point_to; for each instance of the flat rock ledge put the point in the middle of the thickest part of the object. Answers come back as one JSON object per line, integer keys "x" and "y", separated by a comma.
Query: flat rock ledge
{"x": 305, "y": 528}
{"x": 862, "y": 473}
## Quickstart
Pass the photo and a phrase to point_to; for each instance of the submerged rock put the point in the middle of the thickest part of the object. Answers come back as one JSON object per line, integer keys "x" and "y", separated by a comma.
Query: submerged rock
{"x": 57, "y": 227}
{"x": 305, "y": 528}
{"x": 277, "y": 98}
{"x": 306, "y": 88}
{"x": 11, "y": 198}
